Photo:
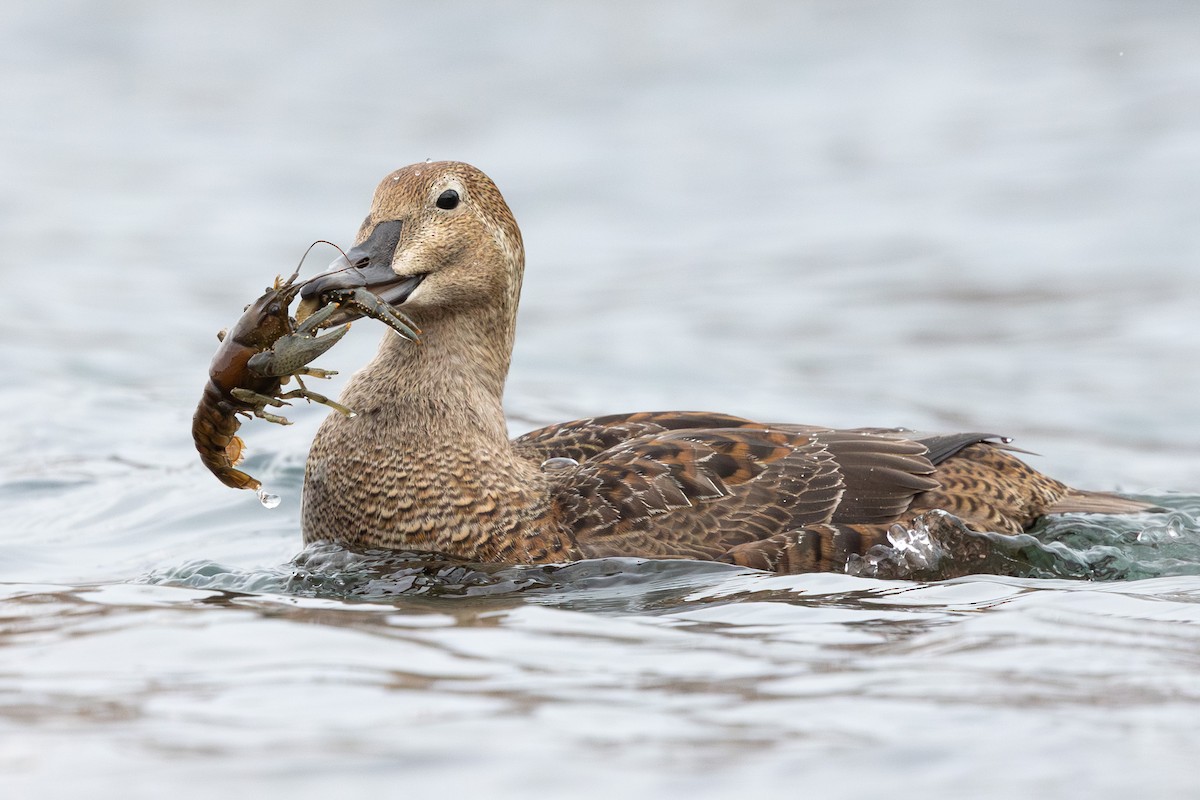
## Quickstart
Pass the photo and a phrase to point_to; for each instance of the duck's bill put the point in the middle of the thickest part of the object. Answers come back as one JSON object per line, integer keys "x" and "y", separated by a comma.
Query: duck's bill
{"x": 360, "y": 277}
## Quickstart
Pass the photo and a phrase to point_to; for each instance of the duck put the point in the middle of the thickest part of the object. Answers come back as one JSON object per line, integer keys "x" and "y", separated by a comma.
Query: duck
{"x": 426, "y": 463}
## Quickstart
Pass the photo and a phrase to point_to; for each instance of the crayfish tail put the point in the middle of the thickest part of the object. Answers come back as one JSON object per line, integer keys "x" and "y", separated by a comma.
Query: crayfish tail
{"x": 223, "y": 466}
{"x": 236, "y": 479}
{"x": 235, "y": 451}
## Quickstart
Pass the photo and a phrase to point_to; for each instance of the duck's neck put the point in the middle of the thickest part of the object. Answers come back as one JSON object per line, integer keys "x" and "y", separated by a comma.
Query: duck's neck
{"x": 426, "y": 464}
{"x": 446, "y": 389}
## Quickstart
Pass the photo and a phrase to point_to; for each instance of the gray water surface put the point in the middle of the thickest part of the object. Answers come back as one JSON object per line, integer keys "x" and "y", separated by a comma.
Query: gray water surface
{"x": 933, "y": 214}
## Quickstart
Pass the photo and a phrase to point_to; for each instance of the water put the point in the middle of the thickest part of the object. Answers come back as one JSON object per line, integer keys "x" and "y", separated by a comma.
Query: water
{"x": 926, "y": 214}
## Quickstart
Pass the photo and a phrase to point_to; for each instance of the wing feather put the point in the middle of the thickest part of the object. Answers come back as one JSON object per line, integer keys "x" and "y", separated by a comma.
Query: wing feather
{"x": 693, "y": 484}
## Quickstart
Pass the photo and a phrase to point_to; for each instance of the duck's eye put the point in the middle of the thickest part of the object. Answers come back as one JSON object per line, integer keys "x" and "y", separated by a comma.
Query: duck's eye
{"x": 447, "y": 200}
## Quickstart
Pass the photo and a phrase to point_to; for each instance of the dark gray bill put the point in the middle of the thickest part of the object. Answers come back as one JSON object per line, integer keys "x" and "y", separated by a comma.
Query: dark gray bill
{"x": 367, "y": 266}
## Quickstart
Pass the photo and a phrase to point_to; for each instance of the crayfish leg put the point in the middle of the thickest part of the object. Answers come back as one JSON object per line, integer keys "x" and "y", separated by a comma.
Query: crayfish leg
{"x": 269, "y": 417}
{"x": 315, "y": 397}
{"x": 314, "y": 372}
{"x": 255, "y": 399}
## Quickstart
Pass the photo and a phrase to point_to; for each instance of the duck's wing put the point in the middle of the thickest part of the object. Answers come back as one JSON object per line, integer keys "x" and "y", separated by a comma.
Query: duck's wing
{"x": 582, "y": 439}
{"x": 698, "y": 492}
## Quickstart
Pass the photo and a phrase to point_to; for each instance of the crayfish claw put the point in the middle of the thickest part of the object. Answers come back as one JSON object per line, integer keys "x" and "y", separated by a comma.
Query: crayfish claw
{"x": 292, "y": 352}
{"x": 371, "y": 305}
{"x": 315, "y": 319}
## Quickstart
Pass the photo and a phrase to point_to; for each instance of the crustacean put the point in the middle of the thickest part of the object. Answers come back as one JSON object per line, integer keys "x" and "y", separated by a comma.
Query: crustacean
{"x": 262, "y": 352}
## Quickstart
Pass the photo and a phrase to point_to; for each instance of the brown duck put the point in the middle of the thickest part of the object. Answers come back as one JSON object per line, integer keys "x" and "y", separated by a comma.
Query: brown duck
{"x": 427, "y": 464}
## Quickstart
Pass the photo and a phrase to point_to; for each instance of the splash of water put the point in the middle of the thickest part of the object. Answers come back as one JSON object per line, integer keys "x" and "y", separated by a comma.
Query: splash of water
{"x": 1087, "y": 546}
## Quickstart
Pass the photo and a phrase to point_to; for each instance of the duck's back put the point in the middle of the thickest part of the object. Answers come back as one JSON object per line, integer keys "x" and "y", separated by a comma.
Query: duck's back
{"x": 787, "y": 497}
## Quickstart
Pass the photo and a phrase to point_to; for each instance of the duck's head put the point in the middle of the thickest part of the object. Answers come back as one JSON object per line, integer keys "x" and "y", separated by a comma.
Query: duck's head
{"x": 439, "y": 241}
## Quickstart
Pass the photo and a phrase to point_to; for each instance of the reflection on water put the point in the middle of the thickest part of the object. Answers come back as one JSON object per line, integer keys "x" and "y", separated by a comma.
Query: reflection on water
{"x": 931, "y": 214}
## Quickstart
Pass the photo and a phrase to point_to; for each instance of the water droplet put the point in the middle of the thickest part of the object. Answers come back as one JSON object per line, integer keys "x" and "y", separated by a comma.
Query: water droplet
{"x": 267, "y": 499}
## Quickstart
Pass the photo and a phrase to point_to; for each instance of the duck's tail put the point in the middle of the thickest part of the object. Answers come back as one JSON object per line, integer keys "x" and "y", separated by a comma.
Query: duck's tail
{"x": 1077, "y": 501}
